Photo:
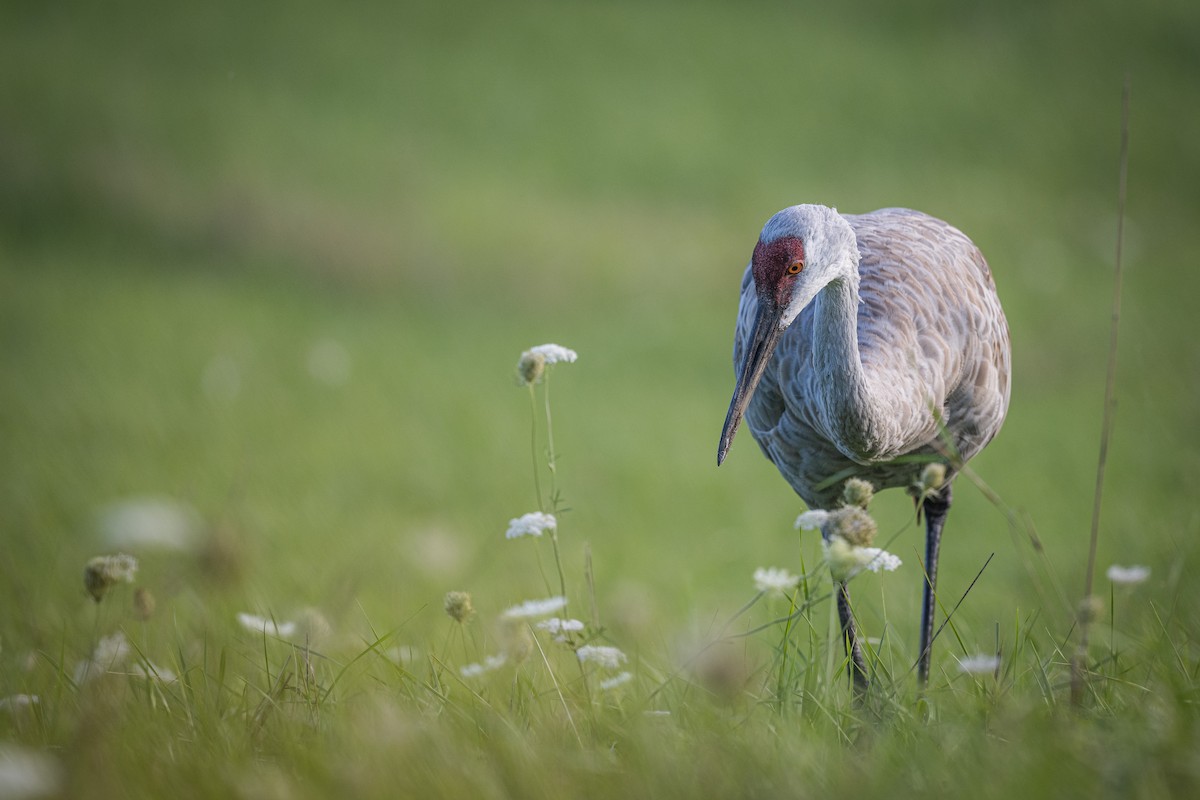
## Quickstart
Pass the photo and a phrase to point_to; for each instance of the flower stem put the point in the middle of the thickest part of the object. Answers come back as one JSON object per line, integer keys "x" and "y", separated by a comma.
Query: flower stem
{"x": 835, "y": 633}
{"x": 537, "y": 483}
{"x": 550, "y": 455}
{"x": 551, "y": 459}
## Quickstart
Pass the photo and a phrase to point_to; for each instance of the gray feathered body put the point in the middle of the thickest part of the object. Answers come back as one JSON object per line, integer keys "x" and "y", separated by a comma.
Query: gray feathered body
{"x": 868, "y": 373}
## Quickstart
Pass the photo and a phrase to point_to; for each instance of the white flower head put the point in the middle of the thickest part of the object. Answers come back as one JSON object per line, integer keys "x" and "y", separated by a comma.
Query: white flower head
{"x": 554, "y": 353}
{"x": 534, "y": 523}
{"x": 111, "y": 650}
{"x": 110, "y": 653}
{"x": 620, "y": 679}
{"x": 1128, "y": 575}
{"x": 150, "y": 522}
{"x": 152, "y": 672}
{"x": 560, "y": 628}
{"x": 489, "y": 664}
{"x": 28, "y": 773}
{"x": 536, "y": 608}
{"x": 811, "y": 520}
{"x": 16, "y": 702}
{"x": 981, "y": 664}
{"x": 846, "y": 560}
{"x": 104, "y": 572}
{"x": 270, "y": 627}
{"x": 774, "y": 579}
{"x": 608, "y": 657}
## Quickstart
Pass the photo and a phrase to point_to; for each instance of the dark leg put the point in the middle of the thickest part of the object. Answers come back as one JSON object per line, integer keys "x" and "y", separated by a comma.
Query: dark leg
{"x": 857, "y": 666}
{"x": 937, "y": 505}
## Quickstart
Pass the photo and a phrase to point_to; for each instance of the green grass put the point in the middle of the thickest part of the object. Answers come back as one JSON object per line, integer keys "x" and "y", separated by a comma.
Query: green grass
{"x": 200, "y": 197}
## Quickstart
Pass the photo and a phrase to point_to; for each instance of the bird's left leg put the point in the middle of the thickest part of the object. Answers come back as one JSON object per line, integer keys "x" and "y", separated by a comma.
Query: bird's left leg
{"x": 858, "y": 665}
{"x": 936, "y": 506}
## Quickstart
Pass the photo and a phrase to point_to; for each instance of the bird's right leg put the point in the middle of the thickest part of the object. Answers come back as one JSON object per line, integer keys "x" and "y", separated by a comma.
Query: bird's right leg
{"x": 858, "y": 665}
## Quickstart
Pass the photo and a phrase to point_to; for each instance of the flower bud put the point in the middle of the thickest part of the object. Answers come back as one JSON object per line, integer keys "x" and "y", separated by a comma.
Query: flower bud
{"x": 530, "y": 367}
{"x": 458, "y": 606}
{"x": 857, "y": 492}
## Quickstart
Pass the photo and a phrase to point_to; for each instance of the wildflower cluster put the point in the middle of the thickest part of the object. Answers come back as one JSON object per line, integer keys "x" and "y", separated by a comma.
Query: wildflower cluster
{"x": 533, "y": 362}
{"x": 516, "y": 626}
{"x": 774, "y": 580}
{"x": 534, "y": 523}
{"x": 848, "y": 534}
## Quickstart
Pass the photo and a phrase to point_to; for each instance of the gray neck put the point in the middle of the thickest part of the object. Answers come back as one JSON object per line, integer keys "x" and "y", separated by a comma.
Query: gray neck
{"x": 848, "y": 408}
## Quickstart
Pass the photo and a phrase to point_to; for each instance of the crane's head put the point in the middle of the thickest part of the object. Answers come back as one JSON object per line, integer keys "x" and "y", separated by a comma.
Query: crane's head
{"x": 799, "y": 252}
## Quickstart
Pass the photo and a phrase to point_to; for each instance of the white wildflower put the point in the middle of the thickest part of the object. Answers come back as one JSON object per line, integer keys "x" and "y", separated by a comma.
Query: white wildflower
{"x": 16, "y": 702}
{"x": 403, "y": 654}
{"x": 846, "y": 560}
{"x": 270, "y": 627}
{"x": 152, "y": 672}
{"x": 471, "y": 670}
{"x": 28, "y": 773}
{"x": 489, "y": 664}
{"x": 619, "y": 679}
{"x": 1128, "y": 575}
{"x": 111, "y": 650}
{"x": 608, "y": 657}
{"x": 534, "y": 523}
{"x": 150, "y": 522}
{"x": 104, "y": 572}
{"x": 536, "y": 608}
{"x": 774, "y": 579}
{"x": 981, "y": 664}
{"x": 811, "y": 520}
{"x": 559, "y": 628}
{"x": 110, "y": 653}
{"x": 554, "y": 353}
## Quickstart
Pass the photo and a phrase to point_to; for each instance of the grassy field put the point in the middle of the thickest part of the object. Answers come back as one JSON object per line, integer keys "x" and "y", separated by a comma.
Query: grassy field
{"x": 271, "y": 268}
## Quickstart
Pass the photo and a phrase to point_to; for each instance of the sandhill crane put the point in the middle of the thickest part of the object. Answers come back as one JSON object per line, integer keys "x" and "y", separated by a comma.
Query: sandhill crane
{"x": 861, "y": 339}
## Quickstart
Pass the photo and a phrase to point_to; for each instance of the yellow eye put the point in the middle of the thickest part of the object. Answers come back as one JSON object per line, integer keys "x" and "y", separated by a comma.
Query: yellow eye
{"x": 795, "y": 267}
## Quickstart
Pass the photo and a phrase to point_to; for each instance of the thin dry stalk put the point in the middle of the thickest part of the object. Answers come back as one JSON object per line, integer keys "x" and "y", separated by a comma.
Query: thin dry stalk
{"x": 1079, "y": 661}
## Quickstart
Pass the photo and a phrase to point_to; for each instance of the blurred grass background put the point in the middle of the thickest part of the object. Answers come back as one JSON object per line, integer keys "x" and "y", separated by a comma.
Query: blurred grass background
{"x": 278, "y": 261}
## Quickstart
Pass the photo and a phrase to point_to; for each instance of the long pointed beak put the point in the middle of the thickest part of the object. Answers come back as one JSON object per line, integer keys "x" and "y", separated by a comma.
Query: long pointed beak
{"x": 763, "y": 339}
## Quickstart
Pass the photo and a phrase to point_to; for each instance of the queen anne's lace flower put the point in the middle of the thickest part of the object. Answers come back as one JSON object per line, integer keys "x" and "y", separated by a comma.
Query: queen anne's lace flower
{"x": 536, "y": 608}
{"x": 110, "y": 653}
{"x": 811, "y": 520}
{"x": 619, "y": 679}
{"x": 981, "y": 664}
{"x": 608, "y": 657}
{"x": 1128, "y": 575}
{"x": 846, "y": 560}
{"x": 25, "y": 772}
{"x": 560, "y": 628}
{"x": 554, "y": 353}
{"x": 257, "y": 624}
{"x": 152, "y": 672}
{"x": 774, "y": 579}
{"x": 489, "y": 664}
{"x": 534, "y": 523}
{"x": 15, "y": 702}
